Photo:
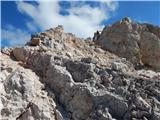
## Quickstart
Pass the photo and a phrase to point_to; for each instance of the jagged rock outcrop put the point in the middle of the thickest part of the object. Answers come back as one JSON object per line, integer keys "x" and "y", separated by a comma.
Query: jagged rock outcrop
{"x": 136, "y": 42}
{"x": 22, "y": 95}
{"x": 57, "y": 76}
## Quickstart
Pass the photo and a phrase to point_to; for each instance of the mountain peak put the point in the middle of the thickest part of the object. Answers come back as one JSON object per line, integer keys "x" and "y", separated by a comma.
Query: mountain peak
{"x": 127, "y": 19}
{"x": 57, "y": 75}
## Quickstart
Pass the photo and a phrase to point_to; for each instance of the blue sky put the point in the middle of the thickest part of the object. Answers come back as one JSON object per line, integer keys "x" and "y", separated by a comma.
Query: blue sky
{"x": 20, "y": 19}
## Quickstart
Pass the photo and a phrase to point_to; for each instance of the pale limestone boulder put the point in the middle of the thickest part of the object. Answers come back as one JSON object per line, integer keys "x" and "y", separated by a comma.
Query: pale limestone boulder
{"x": 150, "y": 49}
{"x": 122, "y": 65}
{"x": 122, "y": 39}
{"x": 139, "y": 43}
{"x": 35, "y": 41}
{"x": 23, "y": 53}
{"x": 23, "y": 98}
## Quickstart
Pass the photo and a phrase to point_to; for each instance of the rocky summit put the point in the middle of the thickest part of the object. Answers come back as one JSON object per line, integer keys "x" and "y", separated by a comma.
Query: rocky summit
{"x": 139, "y": 43}
{"x": 58, "y": 76}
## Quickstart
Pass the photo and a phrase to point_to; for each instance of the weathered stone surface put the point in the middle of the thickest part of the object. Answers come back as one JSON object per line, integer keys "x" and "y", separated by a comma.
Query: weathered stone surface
{"x": 23, "y": 98}
{"x": 35, "y": 41}
{"x": 23, "y": 53}
{"x": 80, "y": 70}
{"x": 150, "y": 49}
{"x": 119, "y": 66}
{"x": 117, "y": 105}
{"x": 20, "y": 54}
{"x": 136, "y": 42}
{"x": 58, "y": 77}
{"x": 101, "y": 113}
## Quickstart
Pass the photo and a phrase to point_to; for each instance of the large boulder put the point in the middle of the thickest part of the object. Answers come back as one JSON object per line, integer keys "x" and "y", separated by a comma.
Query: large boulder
{"x": 80, "y": 70}
{"x": 58, "y": 78}
{"x": 23, "y": 99}
{"x": 23, "y": 53}
{"x": 150, "y": 49}
{"x": 136, "y": 42}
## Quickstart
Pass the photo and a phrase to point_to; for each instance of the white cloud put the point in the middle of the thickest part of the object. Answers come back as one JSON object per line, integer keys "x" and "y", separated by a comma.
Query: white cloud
{"x": 82, "y": 20}
{"x": 111, "y": 5}
{"x": 31, "y": 26}
{"x": 14, "y": 36}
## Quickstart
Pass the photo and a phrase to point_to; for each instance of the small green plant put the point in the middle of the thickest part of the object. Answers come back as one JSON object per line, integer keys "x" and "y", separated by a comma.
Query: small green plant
{"x": 136, "y": 51}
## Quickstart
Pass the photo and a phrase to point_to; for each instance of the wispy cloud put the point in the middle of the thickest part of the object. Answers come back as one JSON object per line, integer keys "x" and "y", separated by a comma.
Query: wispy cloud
{"x": 82, "y": 18}
{"x": 14, "y": 36}
{"x": 31, "y": 26}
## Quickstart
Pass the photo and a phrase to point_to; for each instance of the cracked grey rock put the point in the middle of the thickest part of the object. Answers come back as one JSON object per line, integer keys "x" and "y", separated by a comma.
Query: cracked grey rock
{"x": 136, "y": 42}
{"x": 23, "y": 98}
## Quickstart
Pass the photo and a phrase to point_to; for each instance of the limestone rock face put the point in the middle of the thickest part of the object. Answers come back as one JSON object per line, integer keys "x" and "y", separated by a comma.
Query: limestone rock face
{"x": 57, "y": 76}
{"x": 136, "y": 42}
{"x": 150, "y": 49}
{"x": 22, "y": 96}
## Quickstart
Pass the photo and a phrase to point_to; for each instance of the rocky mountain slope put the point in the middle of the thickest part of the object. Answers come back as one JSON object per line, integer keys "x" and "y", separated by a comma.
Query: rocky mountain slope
{"x": 57, "y": 76}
